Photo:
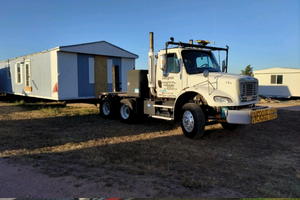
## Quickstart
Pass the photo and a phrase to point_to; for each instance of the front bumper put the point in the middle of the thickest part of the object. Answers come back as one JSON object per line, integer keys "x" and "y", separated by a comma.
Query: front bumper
{"x": 251, "y": 115}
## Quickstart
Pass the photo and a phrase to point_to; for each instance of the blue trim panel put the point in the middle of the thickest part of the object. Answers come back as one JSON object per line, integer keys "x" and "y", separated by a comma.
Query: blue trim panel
{"x": 5, "y": 82}
{"x": 85, "y": 89}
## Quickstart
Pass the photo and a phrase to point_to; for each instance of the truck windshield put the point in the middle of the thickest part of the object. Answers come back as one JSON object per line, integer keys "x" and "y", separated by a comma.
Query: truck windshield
{"x": 197, "y": 61}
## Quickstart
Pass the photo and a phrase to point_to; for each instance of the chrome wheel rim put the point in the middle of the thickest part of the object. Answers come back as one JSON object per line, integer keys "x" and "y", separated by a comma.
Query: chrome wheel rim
{"x": 188, "y": 121}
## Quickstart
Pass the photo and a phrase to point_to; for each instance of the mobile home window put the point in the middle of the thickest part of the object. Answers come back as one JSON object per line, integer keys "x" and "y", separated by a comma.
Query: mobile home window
{"x": 27, "y": 74}
{"x": 273, "y": 79}
{"x": 276, "y": 79}
{"x": 18, "y": 73}
{"x": 279, "y": 79}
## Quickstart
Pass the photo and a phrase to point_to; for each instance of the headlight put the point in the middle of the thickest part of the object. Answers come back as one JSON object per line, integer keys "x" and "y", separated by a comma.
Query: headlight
{"x": 222, "y": 99}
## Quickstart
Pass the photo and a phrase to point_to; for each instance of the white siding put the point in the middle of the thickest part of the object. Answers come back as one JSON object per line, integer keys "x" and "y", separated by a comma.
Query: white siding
{"x": 127, "y": 64}
{"x": 67, "y": 75}
{"x": 54, "y": 75}
{"x": 290, "y": 82}
{"x": 40, "y": 76}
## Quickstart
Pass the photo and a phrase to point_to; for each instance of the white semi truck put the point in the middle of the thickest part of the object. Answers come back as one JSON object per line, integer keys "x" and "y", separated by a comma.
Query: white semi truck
{"x": 186, "y": 84}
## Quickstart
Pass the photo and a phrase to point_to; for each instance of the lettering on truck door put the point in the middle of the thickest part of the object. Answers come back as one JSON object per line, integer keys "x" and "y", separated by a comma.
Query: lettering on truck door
{"x": 171, "y": 82}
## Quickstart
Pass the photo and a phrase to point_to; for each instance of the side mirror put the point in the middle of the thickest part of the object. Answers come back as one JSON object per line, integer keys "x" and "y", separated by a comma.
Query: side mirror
{"x": 224, "y": 67}
{"x": 163, "y": 64}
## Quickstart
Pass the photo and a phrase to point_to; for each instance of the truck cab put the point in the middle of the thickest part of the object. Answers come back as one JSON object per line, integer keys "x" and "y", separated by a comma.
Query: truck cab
{"x": 194, "y": 70}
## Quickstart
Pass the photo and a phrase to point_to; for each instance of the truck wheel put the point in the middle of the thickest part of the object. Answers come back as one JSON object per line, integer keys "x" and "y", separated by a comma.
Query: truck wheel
{"x": 230, "y": 127}
{"x": 192, "y": 121}
{"x": 127, "y": 110}
{"x": 106, "y": 110}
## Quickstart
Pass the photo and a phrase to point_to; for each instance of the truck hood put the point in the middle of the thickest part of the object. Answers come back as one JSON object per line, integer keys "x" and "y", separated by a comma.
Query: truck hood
{"x": 222, "y": 85}
{"x": 220, "y": 77}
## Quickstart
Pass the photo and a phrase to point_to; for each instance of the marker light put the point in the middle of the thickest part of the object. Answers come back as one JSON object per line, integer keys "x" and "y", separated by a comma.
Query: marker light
{"x": 202, "y": 42}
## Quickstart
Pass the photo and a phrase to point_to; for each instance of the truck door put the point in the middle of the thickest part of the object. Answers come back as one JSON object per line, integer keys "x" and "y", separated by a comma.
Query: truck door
{"x": 170, "y": 81}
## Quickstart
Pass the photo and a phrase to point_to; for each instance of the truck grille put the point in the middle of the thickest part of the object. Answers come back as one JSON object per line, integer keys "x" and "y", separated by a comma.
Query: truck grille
{"x": 248, "y": 91}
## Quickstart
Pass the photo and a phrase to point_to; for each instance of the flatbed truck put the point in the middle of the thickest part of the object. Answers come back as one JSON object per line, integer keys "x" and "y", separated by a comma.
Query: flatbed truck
{"x": 187, "y": 84}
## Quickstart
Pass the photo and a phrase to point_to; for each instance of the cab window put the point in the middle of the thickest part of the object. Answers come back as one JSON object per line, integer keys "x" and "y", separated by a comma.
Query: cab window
{"x": 203, "y": 61}
{"x": 196, "y": 61}
{"x": 173, "y": 63}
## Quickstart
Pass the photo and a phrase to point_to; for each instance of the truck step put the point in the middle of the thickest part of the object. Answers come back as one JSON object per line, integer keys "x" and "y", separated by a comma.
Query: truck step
{"x": 161, "y": 117}
{"x": 163, "y": 106}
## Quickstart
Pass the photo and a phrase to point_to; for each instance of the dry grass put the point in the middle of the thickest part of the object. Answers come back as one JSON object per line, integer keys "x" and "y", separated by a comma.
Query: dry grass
{"x": 260, "y": 160}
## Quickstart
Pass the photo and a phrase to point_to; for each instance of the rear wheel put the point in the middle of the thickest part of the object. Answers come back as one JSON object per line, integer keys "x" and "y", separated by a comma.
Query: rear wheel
{"x": 192, "y": 121}
{"x": 230, "y": 127}
{"x": 127, "y": 112}
{"x": 106, "y": 110}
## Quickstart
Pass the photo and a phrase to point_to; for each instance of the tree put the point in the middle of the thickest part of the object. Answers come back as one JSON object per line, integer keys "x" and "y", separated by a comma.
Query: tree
{"x": 248, "y": 71}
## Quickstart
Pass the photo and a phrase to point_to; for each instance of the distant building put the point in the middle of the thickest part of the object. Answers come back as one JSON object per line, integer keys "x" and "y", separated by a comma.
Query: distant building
{"x": 279, "y": 82}
{"x": 67, "y": 72}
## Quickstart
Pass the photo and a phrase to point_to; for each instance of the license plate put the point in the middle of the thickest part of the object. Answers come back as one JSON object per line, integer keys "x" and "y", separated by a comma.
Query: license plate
{"x": 249, "y": 97}
{"x": 264, "y": 115}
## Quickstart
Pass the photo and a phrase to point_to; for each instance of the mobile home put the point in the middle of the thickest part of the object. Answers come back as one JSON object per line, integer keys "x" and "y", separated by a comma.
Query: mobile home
{"x": 67, "y": 72}
{"x": 278, "y": 82}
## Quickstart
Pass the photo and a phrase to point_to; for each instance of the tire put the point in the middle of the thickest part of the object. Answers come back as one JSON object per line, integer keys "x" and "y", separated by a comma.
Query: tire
{"x": 192, "y": 121}
{"x": 106, "y": 109}
{"x": 127, "y": 110}
{"x": 230, "y": 127}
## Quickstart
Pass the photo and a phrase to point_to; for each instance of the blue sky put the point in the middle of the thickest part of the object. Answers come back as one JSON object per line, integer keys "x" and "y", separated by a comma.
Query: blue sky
{"x": 263, "y": 33}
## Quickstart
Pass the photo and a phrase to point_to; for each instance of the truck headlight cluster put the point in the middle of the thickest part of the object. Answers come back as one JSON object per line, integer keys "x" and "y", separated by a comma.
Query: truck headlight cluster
{"x": 222, "y": 99}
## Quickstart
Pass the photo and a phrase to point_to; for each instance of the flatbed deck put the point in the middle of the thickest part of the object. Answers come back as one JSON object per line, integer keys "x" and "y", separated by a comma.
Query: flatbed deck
{"x": 120, "y": 94}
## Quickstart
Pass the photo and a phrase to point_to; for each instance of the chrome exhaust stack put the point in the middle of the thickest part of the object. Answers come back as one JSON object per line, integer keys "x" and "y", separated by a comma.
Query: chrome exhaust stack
{"x": 151, "y": 67}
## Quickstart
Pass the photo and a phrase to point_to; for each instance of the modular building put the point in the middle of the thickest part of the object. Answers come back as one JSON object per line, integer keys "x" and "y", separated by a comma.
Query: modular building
{"x": 278, "y": 82}
{"x": 67, "y": 72}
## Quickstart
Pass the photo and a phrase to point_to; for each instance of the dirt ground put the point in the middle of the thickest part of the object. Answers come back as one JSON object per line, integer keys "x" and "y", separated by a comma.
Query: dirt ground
{"x": 50, "y": 152}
